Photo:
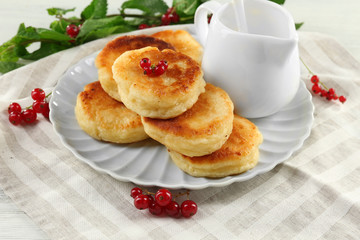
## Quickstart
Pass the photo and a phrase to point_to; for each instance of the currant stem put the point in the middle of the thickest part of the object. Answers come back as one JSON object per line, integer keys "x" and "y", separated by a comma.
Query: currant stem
{"x": 306, "y": 66}
{"x": 181, "y": 194}
{"x": 48, "y": 95}
{"x": 147, "y": 192}
{"x": 312, "y": 73}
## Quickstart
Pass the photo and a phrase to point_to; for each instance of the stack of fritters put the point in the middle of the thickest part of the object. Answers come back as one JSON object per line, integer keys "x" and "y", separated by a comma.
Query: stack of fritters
{"x": 194, "y": 120}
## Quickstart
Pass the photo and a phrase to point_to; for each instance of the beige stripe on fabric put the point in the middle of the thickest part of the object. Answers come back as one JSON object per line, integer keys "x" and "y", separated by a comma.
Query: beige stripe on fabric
{"x": 116, "y": 193}
{"x": 242, "y": 202}
{"x": 323, "y": 143}
{"x": 46, "y": 214}
{"x": 118, "y": 201}
{"x": 51, "y": 189}
{"x": 62, "y": 177}
{"x": 292, "y": 202}
{"x": 40, "y": 71}
{"x": 12, "y": 171}
{"x": 20, "y": 78}
{"x": 344, "y": 228}
{"x": 338, "y": 55}
{"x": 332, "y": 214}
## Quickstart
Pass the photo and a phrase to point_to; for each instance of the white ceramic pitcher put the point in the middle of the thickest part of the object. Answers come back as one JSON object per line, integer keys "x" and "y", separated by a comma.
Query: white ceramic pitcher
{"x": 257, "y": 66}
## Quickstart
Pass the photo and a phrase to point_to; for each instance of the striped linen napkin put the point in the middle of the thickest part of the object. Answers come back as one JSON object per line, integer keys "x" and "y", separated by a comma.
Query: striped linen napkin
{"x": 315, "y": 194}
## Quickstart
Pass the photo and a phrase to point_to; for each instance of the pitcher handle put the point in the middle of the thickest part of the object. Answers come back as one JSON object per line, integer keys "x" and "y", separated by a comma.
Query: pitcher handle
{"x": 201, "y": 20}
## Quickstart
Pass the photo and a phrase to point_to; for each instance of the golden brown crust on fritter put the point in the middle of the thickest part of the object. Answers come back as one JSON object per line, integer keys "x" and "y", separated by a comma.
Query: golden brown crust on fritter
{"x": 106, "y": 119}
{"x": 201, "y": 130}
{"x": 183, "y": 42}
{"x": 239, "y": 153}
{"x": 114, "y": 49}
{"x": 164, "y": 96}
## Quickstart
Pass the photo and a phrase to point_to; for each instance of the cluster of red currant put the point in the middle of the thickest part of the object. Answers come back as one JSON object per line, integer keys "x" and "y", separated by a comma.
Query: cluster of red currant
{"x": 28, "y": 115}
{"x": 170, "y": 17}
{"x": 167, "y": 18}
{"x": 319, "y": 88}
{"x": 151, "y": 69}
{"x": 163, "y": 203}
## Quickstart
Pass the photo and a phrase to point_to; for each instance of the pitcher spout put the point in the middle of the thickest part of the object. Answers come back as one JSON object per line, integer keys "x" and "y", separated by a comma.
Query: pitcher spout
{"x": 282, "y": 50}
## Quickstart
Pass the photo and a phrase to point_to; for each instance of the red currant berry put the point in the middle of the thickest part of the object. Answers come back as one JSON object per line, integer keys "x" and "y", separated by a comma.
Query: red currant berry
{"x": 143, "y": 26}
{"x": 39, "y": 106}
{"x": 314, "y": 79}
{"x": 14, "y": 107}
{"x": 159, "y": 69}
{"x": 135, "y": 191}
{"x": 72, "y": 30}
{"x": 155, "y": 208}
{"x": 151, "y": 199}
{"x": 330, "y": 94}
{"x": 174, "y": 17}
{"x": 15, "y": 118}
{"x": 342, "y": 99}
{"x": 335, "y": 97}
{"x": 28, "y": 116}
{"x": 46, "y": 110}
{"x": 163, "y": 63}
{"x": 316, "y": 88}
{"x": 38, "y": 94}
{"x": 163, "y": 197}
{"x": 145, "y": 63}
{"x": 165, "y": 19}
{"x": 148, "y": 71}
{"x": 323, "y": 93}
{"x": 209, "y": 18}
{"x": 188, "y": 208}
{"x": 173, "y": 209}
{"x": 141, "y": 201}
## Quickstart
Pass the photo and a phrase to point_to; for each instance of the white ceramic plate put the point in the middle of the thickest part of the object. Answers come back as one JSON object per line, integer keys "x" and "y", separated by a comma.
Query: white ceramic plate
{"x": 147, "y": 163}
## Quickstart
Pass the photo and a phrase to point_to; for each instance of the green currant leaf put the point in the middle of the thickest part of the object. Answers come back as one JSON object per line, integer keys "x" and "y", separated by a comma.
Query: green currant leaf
{"x": 104, "y": 32}
{"x": 96, "y": 9}
{"x": 94, "y": 27}
{"x": 28, "y": 33}
{"x": 49, "y": 34}
{"x": 59, "y": 25}
{"x": 8, "y": 52}
{"x": 45, "y": 49}
{"x": 38, "y": 34}
{"x": 186, "y": 7}
{"x": 281, "y": 2}
{"x": 9, "y": 66}
{"x": 298, "y": 25}
{"x": 59, "y": 11}
{"x": 150, "y": 8}
{"x": 136, "y": 22}
{"x": 20, "y": 49}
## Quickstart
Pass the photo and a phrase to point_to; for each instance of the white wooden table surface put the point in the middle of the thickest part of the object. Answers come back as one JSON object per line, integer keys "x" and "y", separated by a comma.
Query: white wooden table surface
{"x": 337, "y": 18}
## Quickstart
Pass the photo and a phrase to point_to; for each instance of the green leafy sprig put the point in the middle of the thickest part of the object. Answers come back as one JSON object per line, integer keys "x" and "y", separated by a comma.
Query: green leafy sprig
{"x": 95, "y": 24}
